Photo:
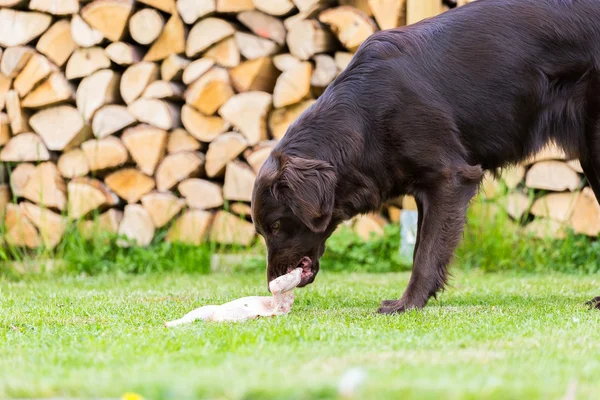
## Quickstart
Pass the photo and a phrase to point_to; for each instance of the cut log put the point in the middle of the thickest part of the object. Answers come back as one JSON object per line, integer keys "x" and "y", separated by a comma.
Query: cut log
{"x": 241, "y": 209}
{"x": 135, "y": 80}
{"x": 25, "y": 147}
{"x": 225, "y": 53}
{"x": 254, "y": 75}
{"x": 409, "y": 203}
{"x": 248, "y": 113}
{"x": 14, "y": 59}
{"x": 205, "y": 33}
{"x": 86, "y": 61}
{"x": 201, "y": 194}
{"x": 61, "y": 127}
{"x": 83, "y": 34}
{"x": 292, "y": 85}
{"x": 549, "y": 152}
{"x": 281, "y": 118}
{"x": 18, "y": 28}
{"x": 5, "y": 84}
{"x": 56, "y": 89}
{"x": 86, "y": 195}
{"x": 264, "y": 25}
{"x": 394, "y": 213}
{"x": 55, "y": 7}
{"x": 351, "y": 26}
{"x": 310, "y": 13}
{"x": 19, "y": 119}
{"x": 278, "y": 8}
{"x": 106, "y": 223}
{"x": 325, "y": 71}
{"x": 46, "y": 187}
{"x": 105, "y": 153}
{"x": 108, "y": 16}
{"x": 230, "y": 229}
{"x": 257, "y": 157}
{"x": 56, "y": 43}
{"x": 417, "y": 10}
{"x": 123, "y": 54}
{"x": 575, "y": 165}
{"x": 239, "y": 181}
{"x": 190, "y": 228}
{"x": 203, "y": 128}
{"x": 73, "y": 164}
{"x": 20, "y": 231}
{"x": 516, "y": 204}
{"x": 362, "y": 5}
{"x": 51, "y": 226}
{"x": 11, "y": 3}
{"x": 307, "y": 5}
{"x": 145, "y": 25}
{"x": 307, "y": 38}
{"x": 513, "y": 176}
{"x": 129, "y": 184}
{"x": 147, "y": 145}
{"x": 541, "y": 228}
{"x": 37, "y": 69}
{"x": 177, "y": 167}
{"x": 234, "y": 6}
{"x": 192, "y": 10}
{"x": 98, "y": 89}
{"x": 285, "y": 61}
{"x": 223, "y": 149}
{"x": 4, "y": 129}
{"x": 19, "y": 178}
{"x": 196, "y": 69}
{"x": 389, "y": 14}
{"x": 367, "y": 227}
{"x": 111, "y": 119}
{"x": 490, "y": 187}
{"x": 253, "y": 47}
{"x": 155, "y": 112}
{"x": 167, "y": 6}
{"x": 210, "y": 91}
{"x": 180, "y": 140}
{"x": 163, "y": 90}
{"x": 172, "y": 67}
{"x": 552, "y": 175}
{"x": 342, "y": 59}
{"x": 555, "y": 206}
{"x": 5, "y": 199}
{"x": 136, "y": 227}
{"x": 586, "y": 214}
{"x": 170, "y": 41}
{"x": 162, "y": 207}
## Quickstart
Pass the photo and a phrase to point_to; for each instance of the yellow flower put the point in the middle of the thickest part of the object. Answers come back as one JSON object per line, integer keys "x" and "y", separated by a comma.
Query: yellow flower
{"x": 132, "y": 396}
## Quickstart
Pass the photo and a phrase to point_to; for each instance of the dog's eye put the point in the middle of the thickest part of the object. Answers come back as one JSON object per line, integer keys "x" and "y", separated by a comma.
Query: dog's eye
{"x": 275, "y": 225}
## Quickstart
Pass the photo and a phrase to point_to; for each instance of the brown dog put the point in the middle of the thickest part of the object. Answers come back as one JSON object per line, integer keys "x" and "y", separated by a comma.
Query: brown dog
{"x": 424, "y": 110}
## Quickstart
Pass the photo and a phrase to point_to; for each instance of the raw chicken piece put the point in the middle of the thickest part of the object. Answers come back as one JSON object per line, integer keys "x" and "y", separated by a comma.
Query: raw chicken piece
{"x": 250, "y": 307}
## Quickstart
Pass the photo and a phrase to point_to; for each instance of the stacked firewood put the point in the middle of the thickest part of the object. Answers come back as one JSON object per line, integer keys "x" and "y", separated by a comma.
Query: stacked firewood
{"x": 134, "y": 116}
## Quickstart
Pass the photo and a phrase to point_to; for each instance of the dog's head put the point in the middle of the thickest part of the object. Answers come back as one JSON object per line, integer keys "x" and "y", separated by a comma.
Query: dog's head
{"x": 292, "y": 208}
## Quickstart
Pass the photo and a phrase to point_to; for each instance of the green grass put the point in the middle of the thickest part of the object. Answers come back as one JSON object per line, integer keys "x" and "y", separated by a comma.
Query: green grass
{"x": 489, "y": 336}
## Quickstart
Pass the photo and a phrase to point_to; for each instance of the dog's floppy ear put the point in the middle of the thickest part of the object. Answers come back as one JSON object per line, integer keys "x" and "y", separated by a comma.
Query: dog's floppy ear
{"x": 308, "y": 188}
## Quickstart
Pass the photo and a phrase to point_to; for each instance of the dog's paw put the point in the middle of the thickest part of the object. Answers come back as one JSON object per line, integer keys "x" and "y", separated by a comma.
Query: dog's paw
{"x": 594, "y": 303}
{"x": 391, "y": 307}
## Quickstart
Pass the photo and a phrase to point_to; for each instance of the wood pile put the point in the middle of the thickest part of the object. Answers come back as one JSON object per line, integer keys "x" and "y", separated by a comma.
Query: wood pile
{"x": 134, "y": 116}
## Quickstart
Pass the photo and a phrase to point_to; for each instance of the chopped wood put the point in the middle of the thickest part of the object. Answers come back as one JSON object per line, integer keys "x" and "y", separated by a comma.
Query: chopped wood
{"x": 210, "y": 91}
{"x": 192, "y": 10}
{"x": 4, "y": 129}
{"x": 51, "y": 226}
{"x": 123, "y": 54}
{"x": 307, "y": 5}
{"x": 108, "y": 152}
{"x": 46, "y": 187}
{"x": 248, "y": 113}
{"x": 19, "y": 230}
{"x": 111, "y": 119}
{"x": 25, "y": 147}
{"x": 73, "y": 164}
{"x": 542, "y": 228}
{"x": 18, "y": 28}
{"x": 177, "y": 167}
{"x": 292, "y": 85}
{"x": 107, "y": 222}
{"x": 206, "y": 33}
{"x": 239, "y": 181}
{"x": 281, "y": 118}
{"x": 310, "y": 13}
{"x": 351, "y": 25}
{"x": 253, "y": 47}
{"x": 278, "y": 8}
{"x": 201, "y": 194}
{"x": 263, "y": 25}
{"x": 172, "y": 67}
{"x": 367, "y": 227}
{"x": 11, "y": 3}
{"x": 55, "y": 89}
{"x": 490, "y": 186}
{"x": 136, "y": 227}
{"x": 108, "y": 16}
{"x": 555, "y": 206}
{"x": 230, "y": 229}
{"x": 129, "y": 184}
{"x": 19, "y": 178}
{"x": 5, "y": 199}
{"x": 394, "y": 214}
{"x": 86, "y": 61}
{"x": 14, "y": 59}
{"x": 163, "y": 90}
{"x": 254, "y": 75}
{"x": 586, "y": 214}
{"x": 342, "y": 59}
{"x": 409, "y": 203}
{"x": 155, "y": 112}
{"x": 234, "y": 6}
{"x": 575, "y": 165}
{"x": 362, "y": 5}
{"x": 170, "y": 41}
{"x": 257, "y": 157}
{"x": 86, "y": 194}
{"x": 516, "y": 204}
{"x": 388, "y": 14}
{"x": 325, "y": 71}
{"x": 203, "y": 128}
{"x": 190, "y": 228}
{"x": 180, "y": 140}
{"x": 55, "y": 7}
{"x": 417, "y": 10}
{"x": 16, "y": 115}
{"x": 196, "y": 69}
{"x": 145, "y": 25}
{"x": 61, "y": 127}
{"x": 37, "y": 69}
{"x": 307, "y": 38}
{"x": 162, "y": 207}
{"x": 167, "y": 6}
{"x": 96, "y": 90}
{"x": 225, "y": 53}
{"x": 549, "y": 152}
{"x": 241, "y": 209}
{"x": 513, "y": 176}
{"x": 135, "y": 80}
{"x": 83, "y": 34}
{"x": 147, "y": 145}
{"x": 285, "y": 61}
{"x": 57, "y": 42}
{"x": 552, "y": 175}
{"x": 5, "y": 84}
{"x": 223, "y": 149}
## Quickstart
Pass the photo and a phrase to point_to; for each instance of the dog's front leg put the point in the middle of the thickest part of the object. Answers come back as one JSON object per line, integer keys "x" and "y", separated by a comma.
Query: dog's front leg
{"x": 443, "y": 217}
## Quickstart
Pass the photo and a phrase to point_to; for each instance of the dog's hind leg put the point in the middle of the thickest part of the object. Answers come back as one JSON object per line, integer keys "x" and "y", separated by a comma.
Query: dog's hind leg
{"x": 443, "y": 209}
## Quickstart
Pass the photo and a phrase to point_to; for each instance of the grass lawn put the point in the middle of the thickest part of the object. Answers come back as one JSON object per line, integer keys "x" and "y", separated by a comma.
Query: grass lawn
{"x": 497, "y": 336}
